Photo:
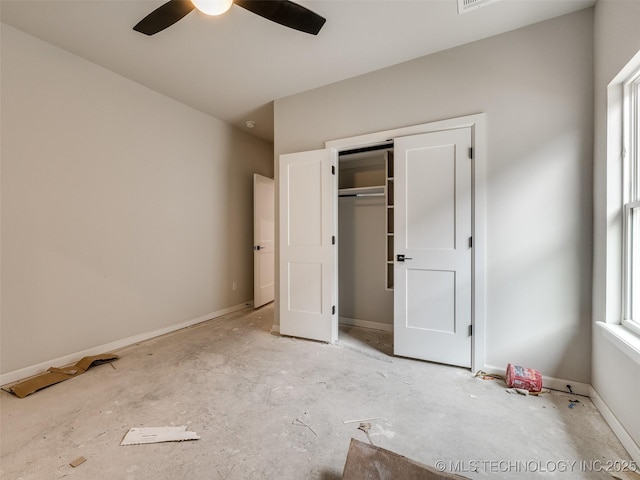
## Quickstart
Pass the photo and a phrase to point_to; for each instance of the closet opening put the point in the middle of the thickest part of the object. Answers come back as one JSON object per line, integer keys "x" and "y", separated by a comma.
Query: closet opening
{"x": 419, "y": 201}
{"x": 365, "y": 246}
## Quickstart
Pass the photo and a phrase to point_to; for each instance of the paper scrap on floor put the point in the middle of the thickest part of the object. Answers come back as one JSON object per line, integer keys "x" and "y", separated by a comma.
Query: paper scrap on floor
{"x": 142, "y": 435}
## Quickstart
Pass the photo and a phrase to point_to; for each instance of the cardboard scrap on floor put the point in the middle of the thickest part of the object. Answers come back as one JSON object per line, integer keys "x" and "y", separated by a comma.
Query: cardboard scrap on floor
{"x": 56, "y": 375}
{"x": 627, "y": 475}
{"x": 375, "y": 463}
{"x": 141, "y": 435}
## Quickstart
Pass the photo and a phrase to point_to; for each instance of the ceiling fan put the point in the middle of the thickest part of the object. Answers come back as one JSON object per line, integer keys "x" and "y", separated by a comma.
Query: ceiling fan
{"x": 284, "y": 12}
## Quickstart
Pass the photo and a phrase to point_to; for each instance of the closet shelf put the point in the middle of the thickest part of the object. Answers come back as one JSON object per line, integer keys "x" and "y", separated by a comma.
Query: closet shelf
{"x": 376, "y": 190}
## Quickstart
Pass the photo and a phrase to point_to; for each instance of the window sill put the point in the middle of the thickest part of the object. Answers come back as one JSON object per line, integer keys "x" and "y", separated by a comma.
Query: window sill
{"x": 621, "y": 337}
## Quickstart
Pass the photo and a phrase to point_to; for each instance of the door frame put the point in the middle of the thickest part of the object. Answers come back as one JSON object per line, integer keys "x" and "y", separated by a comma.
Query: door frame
{"x": 477, "y": 123}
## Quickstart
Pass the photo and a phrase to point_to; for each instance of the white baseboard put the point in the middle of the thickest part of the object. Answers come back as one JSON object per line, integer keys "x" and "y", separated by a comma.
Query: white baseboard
{"x": 561, "y": 385}
{"x": 618, "y": 429}
{"x": 26, "y": 372}
{"x": 354, "y": 322}
{"x": 553, "y": 383}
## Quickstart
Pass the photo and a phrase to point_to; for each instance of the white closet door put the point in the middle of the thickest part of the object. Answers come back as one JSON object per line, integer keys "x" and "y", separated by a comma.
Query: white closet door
{"x": 263, "y": 240}
{"x": 432, "y": 287}
{"x": 307, "y": 254}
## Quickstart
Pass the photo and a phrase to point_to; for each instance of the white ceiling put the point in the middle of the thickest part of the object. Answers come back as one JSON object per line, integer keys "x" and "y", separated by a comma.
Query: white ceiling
{"x": 233, "y": 66}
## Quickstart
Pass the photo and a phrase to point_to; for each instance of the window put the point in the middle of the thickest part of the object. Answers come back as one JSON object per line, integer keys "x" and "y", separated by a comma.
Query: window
{"x": 631, "y": 199}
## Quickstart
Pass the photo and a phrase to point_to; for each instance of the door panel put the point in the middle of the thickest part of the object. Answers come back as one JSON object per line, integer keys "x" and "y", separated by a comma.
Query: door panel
{"x": 307, "y": 254}
{"x": 305, "y": 204}
{"x": 437, "y": 203}
{"x": 432, "y": 222}
{"x": 431, "y": 300}
{"x": 305, "y": 290}
{"x": 263, "y": 240}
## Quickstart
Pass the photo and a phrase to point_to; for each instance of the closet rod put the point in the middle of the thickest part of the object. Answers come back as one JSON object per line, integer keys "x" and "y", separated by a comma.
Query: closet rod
{"x": 371, "y": 148}
{"x": 362, "y": 195}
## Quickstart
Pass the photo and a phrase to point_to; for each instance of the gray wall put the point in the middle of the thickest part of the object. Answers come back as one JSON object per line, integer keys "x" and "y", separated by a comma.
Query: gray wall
{"x": 615, "y": 375}
{"x": 536, "y": 87}
{"x": 362, "y": 248}
{"x": 123, "y": 211}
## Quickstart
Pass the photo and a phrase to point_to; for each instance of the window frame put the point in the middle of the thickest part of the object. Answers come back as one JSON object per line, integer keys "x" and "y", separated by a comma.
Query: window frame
{"x": 631, "y": 199}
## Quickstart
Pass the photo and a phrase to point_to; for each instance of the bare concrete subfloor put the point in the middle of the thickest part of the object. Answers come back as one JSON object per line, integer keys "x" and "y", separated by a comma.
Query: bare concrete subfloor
{"x": 271, "y": 407}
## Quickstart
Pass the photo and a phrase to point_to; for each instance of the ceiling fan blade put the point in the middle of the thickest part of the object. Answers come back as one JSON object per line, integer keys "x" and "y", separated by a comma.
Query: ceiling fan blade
{"x": 285, "y": 13}
{"x": 164, "y": 16}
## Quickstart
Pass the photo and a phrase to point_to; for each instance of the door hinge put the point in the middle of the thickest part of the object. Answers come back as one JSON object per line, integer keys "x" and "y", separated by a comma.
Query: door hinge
{"x": 470, "y": 330}
{"x": 470, "y": 242}
{"x": 333, "y": 169}
{"x": 471, "y": 153}
{"x": 333, "y": 310}
{"x": 333, "y": 240}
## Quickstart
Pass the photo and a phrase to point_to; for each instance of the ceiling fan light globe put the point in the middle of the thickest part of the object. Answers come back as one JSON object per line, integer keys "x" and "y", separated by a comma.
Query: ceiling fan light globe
{"x": 213, "y": 7}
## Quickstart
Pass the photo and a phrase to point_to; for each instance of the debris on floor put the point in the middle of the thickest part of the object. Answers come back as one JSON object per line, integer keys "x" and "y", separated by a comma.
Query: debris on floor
{"x": 488, "y": 376}
{"x": 522, "y": 377}
{"x": 537, "y": 394}
{"x": 142, "y": 435}
{"x": 369, "y": 461}
{"x": 524, "y": 392}
{"x": 365, "y": 427}
{"x": 56, "y": 375}
{"x": 78, "y": 461}
{"x": 626, "y": 474}
{"x": 361, "y": 420}
{"x": 521, "y": 391}
{"x": 513, "y": 388}
{"x": 297, "y": 421}
{"x": 573, "y": 403}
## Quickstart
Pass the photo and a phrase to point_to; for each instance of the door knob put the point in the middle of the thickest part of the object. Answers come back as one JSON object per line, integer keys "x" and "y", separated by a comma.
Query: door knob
{"x": 402, "y": 258}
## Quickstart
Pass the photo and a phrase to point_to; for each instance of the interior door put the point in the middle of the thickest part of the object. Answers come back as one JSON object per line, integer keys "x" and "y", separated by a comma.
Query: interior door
{"x": 263, "y": 240}
{"x": 432, "y": 223}
{"x": 307, "y": 206}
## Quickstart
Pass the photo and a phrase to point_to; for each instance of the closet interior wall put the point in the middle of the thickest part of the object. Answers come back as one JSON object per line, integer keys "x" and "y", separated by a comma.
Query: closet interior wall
{"x": 364, "y": 210}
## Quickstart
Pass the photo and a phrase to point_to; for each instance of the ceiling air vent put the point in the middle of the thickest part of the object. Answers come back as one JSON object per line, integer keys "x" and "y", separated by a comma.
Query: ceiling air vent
{"x": 465, "y": 6}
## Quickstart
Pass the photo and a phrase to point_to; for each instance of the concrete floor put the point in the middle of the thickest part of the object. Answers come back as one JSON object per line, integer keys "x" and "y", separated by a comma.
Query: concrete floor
{"x": 247, "y": 393}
